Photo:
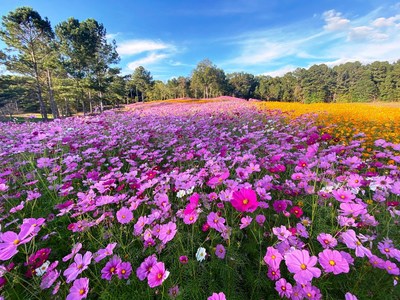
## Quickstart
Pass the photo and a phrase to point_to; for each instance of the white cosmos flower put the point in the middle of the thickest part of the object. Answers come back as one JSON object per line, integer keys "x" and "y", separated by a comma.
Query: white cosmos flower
{"x": 181, "y": 193}
{"x": 201, "y": 254}
{"x": 42, "y": 269}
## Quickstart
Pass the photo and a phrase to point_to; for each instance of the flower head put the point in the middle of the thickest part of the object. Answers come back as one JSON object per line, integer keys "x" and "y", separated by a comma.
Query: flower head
{"x": 124, "y": 215}
{"x": 157, "y": 275}
{"x": 201, "y": 254}
{"x": 302, "y": 265}
{"x": 244, "y": 200}
{"x": 79, "y": 289}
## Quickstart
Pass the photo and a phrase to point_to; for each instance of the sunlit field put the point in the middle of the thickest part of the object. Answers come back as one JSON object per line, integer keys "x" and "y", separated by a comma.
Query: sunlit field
{"x": 203, "y": 199}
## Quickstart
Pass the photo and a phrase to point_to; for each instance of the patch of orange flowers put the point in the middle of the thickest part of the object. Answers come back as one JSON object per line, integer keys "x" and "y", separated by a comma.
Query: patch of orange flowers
{"x": 344, "y": 120}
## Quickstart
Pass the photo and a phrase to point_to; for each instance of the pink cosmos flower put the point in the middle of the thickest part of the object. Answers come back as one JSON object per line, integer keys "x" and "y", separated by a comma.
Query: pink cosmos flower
{"x": 280, "y": 206}
{"x": 245, "y": 221}
{"x": 391, "y": 268}
{"x": 350, "y": 239}
{"x": 75, "y": 250}
{"x": 326, "y": 240}
{"x": 296, "y": 211}
{"x": 102, "y": 253}
{"x": 145, "y": 267}
{"x": 80, "y": 264}
{"x": 260, "y": 219}
{"x": 281, "y": 232}
{"x": 110, "y": 268}
{"x": 333, "y": 262}
{"x": 124, "y": 270}
{"x": 343, "y": 195}
{"x": 190, "y": 218}
{"x": 219, "y": 296}
{"x": 220, "y": 251}
{"x": 9, "y": 241}
{"x": 273, "y": 274}
{"x": 302, "y": 265}
{"x": 376, "y": 262}
{"x": 124, "y": 215}
{"x": 157, "y": 275}
{"x": 244, "y": 200}
{"x": 350, "y": 296}
{"x": 79, "y": 289}
{"x": 215, "y": 221}
{"x": 50, "y": 276}
{"x": 283, "y": 287}
{"x": 167, "y": 232}
{"x": 273, "y": 258}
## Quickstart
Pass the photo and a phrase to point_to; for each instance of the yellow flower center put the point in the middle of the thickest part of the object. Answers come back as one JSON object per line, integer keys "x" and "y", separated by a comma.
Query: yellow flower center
{"x": 159, "y": 275}
{"x": 332, "y": 263}
{"x": 303, "y": 267}
{"x": 273, "y": 256}
{"x": 112, "y": 270}
{"x": 123, "y": 217}
{"x": 387, "y": 250}
{"x": 283, "y": 288}
{"x": 81, "y": 291}
{"x": 16, "y": 242}
{"x": 123, "y": 272}
{"x": 245, "y": 201}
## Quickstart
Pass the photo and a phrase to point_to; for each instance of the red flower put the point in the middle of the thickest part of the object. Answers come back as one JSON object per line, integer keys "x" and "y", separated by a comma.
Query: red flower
{"x": 297, "y": 211}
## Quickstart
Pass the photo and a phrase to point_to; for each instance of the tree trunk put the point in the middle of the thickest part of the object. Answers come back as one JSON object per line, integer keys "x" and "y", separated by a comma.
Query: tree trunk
{"x": 39, "y": 88}
{"x": 101, "y": 101}
{"x": 90, "y": 102}
{"x": 53, "y": 103}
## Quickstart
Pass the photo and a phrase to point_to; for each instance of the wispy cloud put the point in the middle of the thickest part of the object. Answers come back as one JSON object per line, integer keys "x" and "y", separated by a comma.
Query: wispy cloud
{"x": 134, "y": 47}
{"x": 335, "y": 21}
{"x": 151, "y": 59}
{"x": 281, "y": 71}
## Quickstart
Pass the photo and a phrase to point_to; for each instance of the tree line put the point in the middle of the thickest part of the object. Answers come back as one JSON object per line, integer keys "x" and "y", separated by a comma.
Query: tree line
{"x": 72, "y": 68}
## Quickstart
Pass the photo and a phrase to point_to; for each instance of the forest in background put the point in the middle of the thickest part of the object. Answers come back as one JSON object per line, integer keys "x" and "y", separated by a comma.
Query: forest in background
{"x": 73, "y": 68}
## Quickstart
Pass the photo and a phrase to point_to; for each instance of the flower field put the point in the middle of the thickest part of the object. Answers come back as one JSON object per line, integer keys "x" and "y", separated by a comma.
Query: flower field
{"x": 202, "y": 200}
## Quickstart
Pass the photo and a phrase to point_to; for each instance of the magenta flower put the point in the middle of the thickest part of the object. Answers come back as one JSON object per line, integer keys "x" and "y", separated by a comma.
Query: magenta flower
{"x": 273, "y": 274}
{"x": 157, "y": 275}
{"x": 183, "y": 259}
{"x": 283, "y": 287}
{"x": 244, "y": 200}
{"x": 333, "y": 262}
{"x": 9, "y": 241}
{"x": 302, "y": 265}
{"x": 273, "y": 258}
{"x": 102, "y": 253}
{"x": 167, "y": 232}
{"x": 124, "y": 215}
{"x": 124, "y": 270}
{"x": 219, "y": 296}
{"x": 110, "y": 268}
{"x": 80, "y": 264}
{"x": 79, "y": 289}
{"x": 220, "y": 251}
{"x": 280, "y": 206}
{"x": 145, "y": 267}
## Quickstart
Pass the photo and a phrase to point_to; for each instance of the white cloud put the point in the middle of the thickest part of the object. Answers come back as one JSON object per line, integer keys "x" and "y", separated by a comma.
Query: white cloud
{"x": 335, "y": 21}
{"x": 150, "y": 59}
{"x": 112, "y": 36}
{"x": 280, "y": 72}
{"x": 133, "y": 47}
{"x": 386, "y": 22}
{"x": 366, "y": 33}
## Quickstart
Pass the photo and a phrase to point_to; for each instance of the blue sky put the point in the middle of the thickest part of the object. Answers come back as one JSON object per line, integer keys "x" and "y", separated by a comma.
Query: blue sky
{"x": 169, "y": 37}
